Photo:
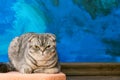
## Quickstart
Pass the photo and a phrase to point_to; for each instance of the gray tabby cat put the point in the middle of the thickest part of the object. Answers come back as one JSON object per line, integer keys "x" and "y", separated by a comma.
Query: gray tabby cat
{"x": 32, "y": 53}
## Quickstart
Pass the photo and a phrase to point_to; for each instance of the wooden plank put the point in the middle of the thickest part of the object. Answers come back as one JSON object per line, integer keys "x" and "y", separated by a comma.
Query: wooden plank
{"x": 93, "y": 77}
{"x": 91, "y": 69}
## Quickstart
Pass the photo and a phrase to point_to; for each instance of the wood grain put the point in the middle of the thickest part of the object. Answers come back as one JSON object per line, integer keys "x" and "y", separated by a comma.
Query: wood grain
{"x": 91, "y": 69}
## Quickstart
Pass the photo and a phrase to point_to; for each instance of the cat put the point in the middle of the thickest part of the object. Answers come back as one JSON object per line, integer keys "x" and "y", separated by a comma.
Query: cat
{"x": 32, "y": 53}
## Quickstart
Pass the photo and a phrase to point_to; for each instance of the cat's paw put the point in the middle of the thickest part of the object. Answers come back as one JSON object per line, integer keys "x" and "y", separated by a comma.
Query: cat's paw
{"x": 40, "y": 70}
{"x": 25, "y": 69}
{"x": 52, "y": 71}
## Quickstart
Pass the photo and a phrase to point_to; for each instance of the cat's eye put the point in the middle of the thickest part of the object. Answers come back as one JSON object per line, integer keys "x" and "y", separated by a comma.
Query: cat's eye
{"x": 36, "y": 47}
{"x": 48, "y": 46}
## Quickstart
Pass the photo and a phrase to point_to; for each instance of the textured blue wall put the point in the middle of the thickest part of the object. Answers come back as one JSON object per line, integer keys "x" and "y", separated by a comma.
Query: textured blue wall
{"x": 86, "y": 30}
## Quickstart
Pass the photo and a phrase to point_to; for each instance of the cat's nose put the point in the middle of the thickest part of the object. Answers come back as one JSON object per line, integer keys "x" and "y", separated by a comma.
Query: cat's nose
{"x": 42, "y": 49}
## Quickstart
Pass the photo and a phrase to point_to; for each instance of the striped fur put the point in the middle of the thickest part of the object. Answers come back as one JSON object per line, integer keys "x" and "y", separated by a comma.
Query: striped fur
{"x": 34, "y": 53}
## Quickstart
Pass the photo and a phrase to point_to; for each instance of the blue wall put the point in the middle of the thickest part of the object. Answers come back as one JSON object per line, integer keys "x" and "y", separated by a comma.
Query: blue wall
{"x": 86, "y": 30}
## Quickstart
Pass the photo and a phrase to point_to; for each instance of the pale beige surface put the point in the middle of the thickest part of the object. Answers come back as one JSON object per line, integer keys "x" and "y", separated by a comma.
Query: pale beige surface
{"x": 35, "y": 76}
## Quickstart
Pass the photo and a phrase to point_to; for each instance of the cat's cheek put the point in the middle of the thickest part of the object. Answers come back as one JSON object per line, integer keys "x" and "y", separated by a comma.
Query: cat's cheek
{"x": 31, "y": 51}
{"x": 45, "y": 53}
{"x": 38, "y": 52}
{"x": 49, "y": 52}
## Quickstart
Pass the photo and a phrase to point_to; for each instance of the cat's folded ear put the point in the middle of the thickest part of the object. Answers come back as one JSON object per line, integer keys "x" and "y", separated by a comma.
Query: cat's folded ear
{"x": 31, "y": 37}
{"x": 52, "y": 36}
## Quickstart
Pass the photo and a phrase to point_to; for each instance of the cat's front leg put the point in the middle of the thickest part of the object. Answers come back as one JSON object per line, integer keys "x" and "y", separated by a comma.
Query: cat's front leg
{"x": 39, "y": 70}
{"x": 25, "y": 69}
{"x": 52, "y": 70}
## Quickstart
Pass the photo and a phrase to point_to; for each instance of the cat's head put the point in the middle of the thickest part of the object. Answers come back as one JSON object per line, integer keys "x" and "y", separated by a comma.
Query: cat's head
{"x": 41, "y": 45}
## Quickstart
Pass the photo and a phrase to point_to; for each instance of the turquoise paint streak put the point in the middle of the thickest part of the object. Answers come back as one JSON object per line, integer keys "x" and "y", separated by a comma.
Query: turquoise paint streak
{"x": 28, "y": 18}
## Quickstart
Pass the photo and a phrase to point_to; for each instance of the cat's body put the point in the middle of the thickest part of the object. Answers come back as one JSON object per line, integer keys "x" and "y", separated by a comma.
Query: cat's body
{"x": 33, "y": 53}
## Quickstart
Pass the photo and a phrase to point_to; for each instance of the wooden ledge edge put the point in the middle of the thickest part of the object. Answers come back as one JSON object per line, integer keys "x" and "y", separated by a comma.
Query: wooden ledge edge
{"x": 91, "y": 69}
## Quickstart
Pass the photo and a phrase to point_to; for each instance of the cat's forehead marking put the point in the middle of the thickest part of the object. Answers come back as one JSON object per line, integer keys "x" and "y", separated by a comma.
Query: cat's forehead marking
{"x": 41, "y": 39}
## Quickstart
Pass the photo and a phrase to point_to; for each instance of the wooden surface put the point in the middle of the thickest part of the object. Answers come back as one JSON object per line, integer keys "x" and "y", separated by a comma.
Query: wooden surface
{"x": 91, "y": 69}
{"x": 93, "y": 77}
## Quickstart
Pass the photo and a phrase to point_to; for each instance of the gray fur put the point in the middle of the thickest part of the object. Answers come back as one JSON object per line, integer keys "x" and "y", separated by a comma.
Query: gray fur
{"x": 34, "y": 53}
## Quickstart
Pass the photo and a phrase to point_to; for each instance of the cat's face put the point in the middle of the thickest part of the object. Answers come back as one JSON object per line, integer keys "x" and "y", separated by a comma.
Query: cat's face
{"x": 41, "y": 46}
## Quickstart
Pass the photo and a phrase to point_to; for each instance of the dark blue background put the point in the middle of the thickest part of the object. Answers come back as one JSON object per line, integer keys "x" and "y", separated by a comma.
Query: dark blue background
{"x": 86, "y": 30}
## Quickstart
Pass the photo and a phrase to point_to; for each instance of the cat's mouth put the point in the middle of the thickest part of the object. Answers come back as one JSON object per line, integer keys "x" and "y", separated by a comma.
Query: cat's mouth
{"x": 48, "y": 54}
